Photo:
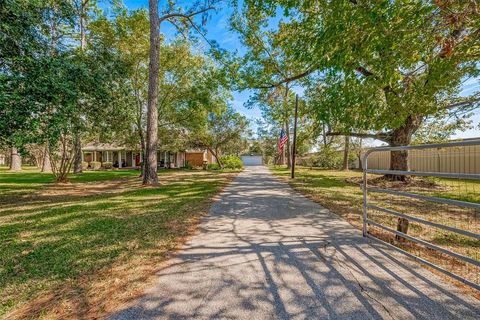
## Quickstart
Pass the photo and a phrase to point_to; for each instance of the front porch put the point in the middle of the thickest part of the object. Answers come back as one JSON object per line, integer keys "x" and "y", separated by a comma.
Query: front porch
{"x": 112, "y": 158}
{"x": 96, "y": 159}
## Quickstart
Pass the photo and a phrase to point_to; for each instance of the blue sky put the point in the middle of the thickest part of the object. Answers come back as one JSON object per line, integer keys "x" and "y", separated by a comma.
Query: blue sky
{"x": 217, "y": 29}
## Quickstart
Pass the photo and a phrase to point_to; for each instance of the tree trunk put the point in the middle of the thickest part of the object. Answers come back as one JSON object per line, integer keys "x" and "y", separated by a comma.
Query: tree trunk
{"x": 345, "y": 153}
{"x": 83, "y": 25}
{"x": 15, "y": 160}
{"x": 143, "y": 153}
{"x": 324, "y": 135}
{"x": 140, "y": 132}
{"x": 402, "y": 226}
{"x": 402, "y": 136}
{"x": 150, "y": 176}
{"x": 360, "y": 163}
{"x": 77, "y": 163}
{"x": 217, "y": 157}
{"x": 46, "y": 165}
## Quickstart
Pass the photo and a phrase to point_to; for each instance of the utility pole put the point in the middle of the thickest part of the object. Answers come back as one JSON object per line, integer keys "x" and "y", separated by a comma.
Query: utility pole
{"x": 294, "y": 147}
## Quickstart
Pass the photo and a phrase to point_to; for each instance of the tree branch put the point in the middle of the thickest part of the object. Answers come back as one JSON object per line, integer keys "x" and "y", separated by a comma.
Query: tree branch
{"x": 182, "y": 15}
{"x": 288, "y": 79}
{"x": 367, "y": 73}
{"x": 364, "y": 71}
{"x": 382, "y": 136}
{"x": 463, "y": 103}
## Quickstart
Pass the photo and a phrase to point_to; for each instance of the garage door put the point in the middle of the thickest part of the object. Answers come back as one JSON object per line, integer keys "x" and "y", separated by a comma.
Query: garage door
{"x": 252, "y": 160}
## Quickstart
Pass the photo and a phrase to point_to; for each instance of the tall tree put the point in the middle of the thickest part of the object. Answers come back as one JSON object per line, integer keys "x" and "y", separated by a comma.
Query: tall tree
{"x": 264, "y": 63}
{"x": 221, "y": 130}
{"x": 41, "y": 90}
{"x": 174, "y": 15}
{"x": 346, "y": 151}
{"x": 380, "y": 67}
{"x": 15, "y": 160}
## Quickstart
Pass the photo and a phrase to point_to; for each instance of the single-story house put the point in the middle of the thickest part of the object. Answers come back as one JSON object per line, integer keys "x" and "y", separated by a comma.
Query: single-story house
{"x": 124, "y": 157}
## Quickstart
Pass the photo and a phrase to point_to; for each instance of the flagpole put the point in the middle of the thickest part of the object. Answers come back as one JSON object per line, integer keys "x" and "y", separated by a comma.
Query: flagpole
{"x": 283, "y": 154}
{"x": 294, "y": 147}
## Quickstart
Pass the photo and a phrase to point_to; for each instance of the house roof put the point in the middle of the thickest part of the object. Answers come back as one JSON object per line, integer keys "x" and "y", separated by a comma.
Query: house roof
{"x": 195, "y": 150}
{"x": 98, "y": 146}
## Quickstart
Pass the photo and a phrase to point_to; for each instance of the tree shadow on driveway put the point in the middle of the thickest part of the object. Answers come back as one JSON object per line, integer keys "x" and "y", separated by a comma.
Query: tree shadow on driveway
{"x": 266, "y": 252}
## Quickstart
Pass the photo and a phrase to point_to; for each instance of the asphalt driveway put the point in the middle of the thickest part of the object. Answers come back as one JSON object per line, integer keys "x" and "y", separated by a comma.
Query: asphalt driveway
{"x": 267, "y": 252}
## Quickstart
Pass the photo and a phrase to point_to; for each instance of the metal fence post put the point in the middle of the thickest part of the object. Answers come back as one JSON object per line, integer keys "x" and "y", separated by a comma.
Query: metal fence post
{"x": 365, "y": 203}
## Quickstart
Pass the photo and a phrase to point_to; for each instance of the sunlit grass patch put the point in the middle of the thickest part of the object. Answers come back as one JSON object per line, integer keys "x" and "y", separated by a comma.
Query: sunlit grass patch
{"x": 69, "y": 241}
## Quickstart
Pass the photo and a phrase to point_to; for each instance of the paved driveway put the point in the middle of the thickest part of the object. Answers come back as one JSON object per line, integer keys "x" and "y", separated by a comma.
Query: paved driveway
{"x": 266, "y": 252}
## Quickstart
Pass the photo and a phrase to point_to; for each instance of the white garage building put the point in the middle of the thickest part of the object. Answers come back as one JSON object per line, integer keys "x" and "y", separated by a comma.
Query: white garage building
{"x": 252, "y": 160}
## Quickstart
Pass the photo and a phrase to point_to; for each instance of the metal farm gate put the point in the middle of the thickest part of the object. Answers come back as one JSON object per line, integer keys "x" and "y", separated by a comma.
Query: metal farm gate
{"x": 440, "y": 207}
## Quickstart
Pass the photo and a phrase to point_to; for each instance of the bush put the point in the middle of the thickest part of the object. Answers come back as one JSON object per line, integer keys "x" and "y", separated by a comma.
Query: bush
{"x": 84, "y": 165}
{"x": 231, "y": 162}
{"x": 328, "y": 158}
{"x": 188, "y": 166}
{"x": 107, "y": 165}
{"x": 213, "y": 166}
{"x": 95, "y": 165}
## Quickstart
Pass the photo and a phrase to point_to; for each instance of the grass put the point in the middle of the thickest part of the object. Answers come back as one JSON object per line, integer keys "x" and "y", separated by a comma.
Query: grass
{"x": 339, "y": 192}
{"x": 30, "y": 179}
{"x": 65, "y": 248}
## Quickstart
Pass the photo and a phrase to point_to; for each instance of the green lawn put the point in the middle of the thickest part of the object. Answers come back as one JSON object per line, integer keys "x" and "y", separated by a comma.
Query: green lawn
{"x": 88, "y": 236}
{"x": 339, "y": 192}
{"x": 30, "y": 179}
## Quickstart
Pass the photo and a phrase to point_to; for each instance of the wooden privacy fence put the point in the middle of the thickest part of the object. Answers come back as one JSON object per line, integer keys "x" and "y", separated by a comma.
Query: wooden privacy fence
{"x": 461, "y": 159}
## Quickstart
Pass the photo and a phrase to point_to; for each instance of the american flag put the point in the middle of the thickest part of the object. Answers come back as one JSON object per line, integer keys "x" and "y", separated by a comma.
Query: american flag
{"x": 282, "y": 141}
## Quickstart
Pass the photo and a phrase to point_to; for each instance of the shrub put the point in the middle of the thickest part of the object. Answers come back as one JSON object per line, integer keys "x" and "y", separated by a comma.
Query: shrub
{"x": 231, "y": 162}
{"x": 213, "y": 166}
{"x": 107, "y": 165}
{"x": 188, "y": 166}
{"x": 95, "y": 165}
{"x": 84, "y": 165}
{"x": 328, "y": 158}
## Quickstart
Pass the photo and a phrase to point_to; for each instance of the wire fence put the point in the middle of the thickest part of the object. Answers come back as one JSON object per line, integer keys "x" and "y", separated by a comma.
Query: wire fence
{"x": 431, "y": 210}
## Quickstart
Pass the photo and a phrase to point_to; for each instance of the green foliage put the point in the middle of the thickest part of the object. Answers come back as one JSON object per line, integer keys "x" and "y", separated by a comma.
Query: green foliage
{"x": 326, "y": 158}
{"x": 224, "y": 131}
{"x": 213, "y": 166}
{"x": 231, "y": 162}
{"x": 372, "y": 66}
{"x": 441, "y": 127}
{"x": 188, "y": 166}
{"x": 48, "y": 89}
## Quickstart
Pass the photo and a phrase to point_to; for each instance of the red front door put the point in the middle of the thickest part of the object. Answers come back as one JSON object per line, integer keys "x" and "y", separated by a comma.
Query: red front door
{"x": 137, "y": 160}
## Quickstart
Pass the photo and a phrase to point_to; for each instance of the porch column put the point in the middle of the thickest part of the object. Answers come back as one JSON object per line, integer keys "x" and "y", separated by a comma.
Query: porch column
{"x": 119, "y": 159}
{"x": 94, "y": 156}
